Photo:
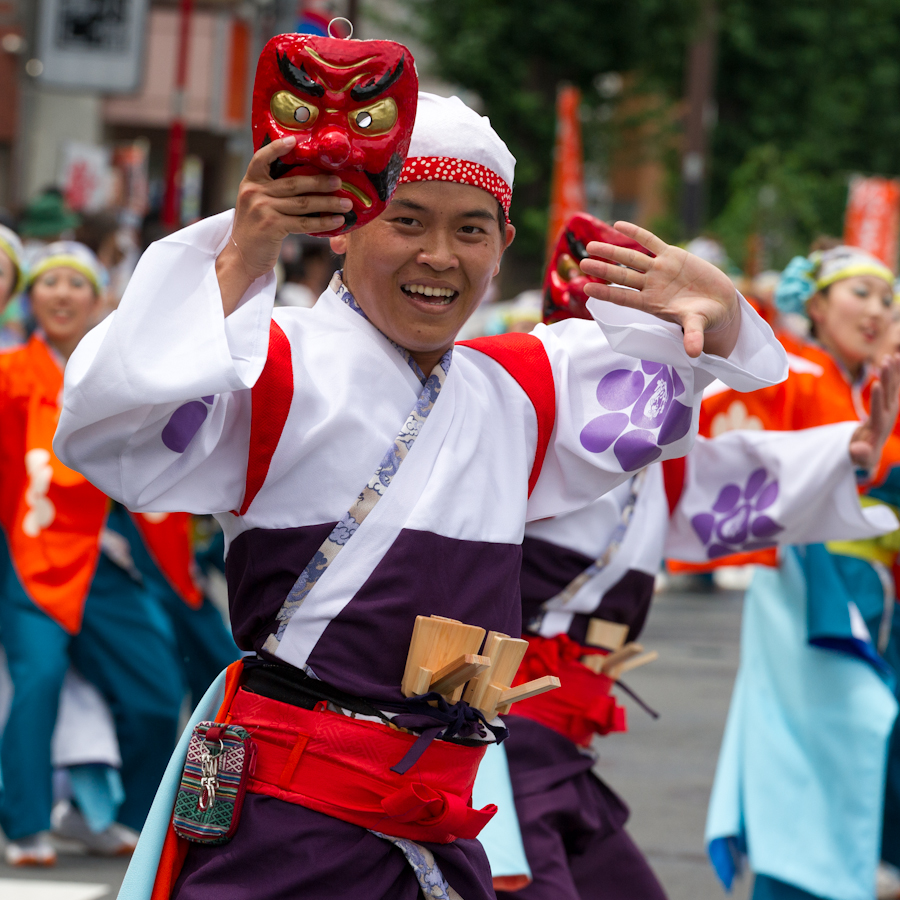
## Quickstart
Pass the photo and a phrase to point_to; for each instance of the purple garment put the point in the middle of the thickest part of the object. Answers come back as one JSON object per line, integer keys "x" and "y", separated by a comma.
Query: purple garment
{"x": 572, "y": 823}
{"x": 286, "y": 852}
{"x": 363, "y": 650}
{"x": 548, "y": 568}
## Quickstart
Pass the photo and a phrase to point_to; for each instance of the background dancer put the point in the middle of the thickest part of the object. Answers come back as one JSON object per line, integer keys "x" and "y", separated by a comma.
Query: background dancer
{"x": 60, "y": 600}
{"x": 801, "y": 774}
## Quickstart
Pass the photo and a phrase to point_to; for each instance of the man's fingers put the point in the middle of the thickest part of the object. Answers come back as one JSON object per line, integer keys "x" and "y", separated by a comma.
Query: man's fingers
{"x": 596, "y": 268}
{"x": 645, "y": 238}
{"x": 312, "y": 224}
{"x": 693, "y": 326}
{"x": 258, "y": 170}
{"x": 294, "y": 185}
{"x": 613, "y": 294}
{"x": 306, "y": 204}
{"x": 623, "y": 255}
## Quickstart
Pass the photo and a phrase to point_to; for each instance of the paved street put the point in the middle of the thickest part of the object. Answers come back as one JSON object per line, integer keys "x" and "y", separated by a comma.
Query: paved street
{"x": 663, "y": 769}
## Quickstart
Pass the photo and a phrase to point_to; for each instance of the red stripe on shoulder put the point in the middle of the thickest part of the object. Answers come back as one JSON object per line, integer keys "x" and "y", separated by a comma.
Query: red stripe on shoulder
{"x": 524, "y": 357}
{"x": 271, "y": 398}
{"x": 673, "y": 479}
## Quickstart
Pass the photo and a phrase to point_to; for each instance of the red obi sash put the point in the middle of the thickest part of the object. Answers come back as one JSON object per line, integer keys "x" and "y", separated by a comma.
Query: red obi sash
{"x": 582, "y": 706}
{"x": 340, "y": 766}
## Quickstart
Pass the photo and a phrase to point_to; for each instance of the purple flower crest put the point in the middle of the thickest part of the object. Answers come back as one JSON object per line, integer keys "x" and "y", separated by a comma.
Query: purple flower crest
{"x": 643, "y": 414}
{"x": 737, "y": 522}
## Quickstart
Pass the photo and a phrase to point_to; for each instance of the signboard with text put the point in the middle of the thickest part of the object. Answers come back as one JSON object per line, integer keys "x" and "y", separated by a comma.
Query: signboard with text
{"x": 94, "y": 45}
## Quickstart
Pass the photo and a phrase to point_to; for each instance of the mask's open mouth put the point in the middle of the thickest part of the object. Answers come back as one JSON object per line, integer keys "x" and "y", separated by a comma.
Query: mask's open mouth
{"x": 437, "y": 296}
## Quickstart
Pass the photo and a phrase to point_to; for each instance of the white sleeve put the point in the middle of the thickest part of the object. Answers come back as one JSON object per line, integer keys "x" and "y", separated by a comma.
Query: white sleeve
{"x": 749, "y": 490}
{"x": 156, "y": 405}
{"x": 628, "y": 395}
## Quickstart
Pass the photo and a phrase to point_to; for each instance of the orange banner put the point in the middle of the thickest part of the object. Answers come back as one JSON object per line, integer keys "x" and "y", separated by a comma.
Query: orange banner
{"x": 872, "y": 219}
{"x": 567, "y": 188}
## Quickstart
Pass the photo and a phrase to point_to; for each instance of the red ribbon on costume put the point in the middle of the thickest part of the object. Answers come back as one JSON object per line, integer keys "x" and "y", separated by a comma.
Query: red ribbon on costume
{"x": 582, "y": 706}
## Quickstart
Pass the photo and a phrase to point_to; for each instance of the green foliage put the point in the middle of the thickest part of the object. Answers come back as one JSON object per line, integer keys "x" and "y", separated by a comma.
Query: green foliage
{"x": 808, "y": 92}
{"x": 514, "y": 53}
{"x": 772, "y": 194}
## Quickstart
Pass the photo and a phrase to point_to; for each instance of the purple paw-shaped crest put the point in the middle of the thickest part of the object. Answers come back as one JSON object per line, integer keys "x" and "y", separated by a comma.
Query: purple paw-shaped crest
{"x": 737, "y": 522}
{"x": 184, "y": 423}
{"x": 643, "y": 415}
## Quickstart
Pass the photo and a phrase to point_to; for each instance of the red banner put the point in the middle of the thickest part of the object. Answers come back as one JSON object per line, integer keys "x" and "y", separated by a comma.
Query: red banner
{"x": 872, "y": 219}
{"x": 567, "y": 191}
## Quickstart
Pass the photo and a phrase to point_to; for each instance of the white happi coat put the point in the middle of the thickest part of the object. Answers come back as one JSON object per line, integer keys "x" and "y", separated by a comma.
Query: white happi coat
{"x": 739, "y": 492}
{"x": 159, "y": 414}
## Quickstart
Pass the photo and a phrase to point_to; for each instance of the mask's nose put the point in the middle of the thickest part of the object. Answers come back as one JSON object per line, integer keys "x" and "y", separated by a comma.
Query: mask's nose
{"x": 334, "y": 148}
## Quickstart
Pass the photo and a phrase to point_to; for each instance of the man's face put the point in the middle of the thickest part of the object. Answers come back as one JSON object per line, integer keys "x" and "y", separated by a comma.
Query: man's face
{"x": 350, "y": 104}
{"x": 421, "y": 268}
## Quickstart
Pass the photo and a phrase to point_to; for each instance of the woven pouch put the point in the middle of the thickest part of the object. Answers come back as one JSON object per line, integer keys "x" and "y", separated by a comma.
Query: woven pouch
{"x": 220, "y": 761}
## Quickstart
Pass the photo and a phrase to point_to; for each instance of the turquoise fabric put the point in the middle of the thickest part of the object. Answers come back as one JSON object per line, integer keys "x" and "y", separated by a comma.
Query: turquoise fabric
{"x": 138, "y": 883}
{"x": 834, "y": 586}
{"x": 501, "y": 837}
{"x": 204, "y": 640}
{"x": 98, "y": 792}
{"x": 801, "y": 771}
{"x": 769, "y": 889}
{"x": 126, "y": 650}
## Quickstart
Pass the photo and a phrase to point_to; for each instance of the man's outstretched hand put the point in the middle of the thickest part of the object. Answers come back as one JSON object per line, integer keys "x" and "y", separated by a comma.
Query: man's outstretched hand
{"x": 867, "y": 442}
{"x": 674, "y": 285}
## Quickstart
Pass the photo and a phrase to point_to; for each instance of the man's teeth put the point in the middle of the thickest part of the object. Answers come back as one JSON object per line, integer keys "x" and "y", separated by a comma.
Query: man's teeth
{"x": 429, "y": 291}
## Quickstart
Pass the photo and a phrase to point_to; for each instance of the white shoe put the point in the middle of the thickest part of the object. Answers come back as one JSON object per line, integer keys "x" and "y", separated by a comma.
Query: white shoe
{"x": 887, "y": 882}
{"x": 69, "y": 825}
{"x": 34, "y": 850}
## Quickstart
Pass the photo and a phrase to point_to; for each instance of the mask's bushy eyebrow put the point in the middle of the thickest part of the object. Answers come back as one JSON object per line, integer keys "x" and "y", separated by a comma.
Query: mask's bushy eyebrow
{"x": 373, "y": 88}
{"x": 298, "y": 78}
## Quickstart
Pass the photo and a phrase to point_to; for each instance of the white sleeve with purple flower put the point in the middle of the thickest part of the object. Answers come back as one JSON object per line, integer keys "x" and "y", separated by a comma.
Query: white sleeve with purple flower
{"x": 750, "y": 490}
{"x": 628, "y": 395}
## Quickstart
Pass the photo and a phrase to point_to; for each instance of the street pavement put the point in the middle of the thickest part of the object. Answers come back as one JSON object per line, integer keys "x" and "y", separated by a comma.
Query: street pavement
{"x": 663, "y": 769}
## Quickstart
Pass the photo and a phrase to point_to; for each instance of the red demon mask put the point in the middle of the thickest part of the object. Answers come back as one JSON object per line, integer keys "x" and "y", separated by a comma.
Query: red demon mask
{"x": 350, "y": 104}
{"x": 564, "y": 296}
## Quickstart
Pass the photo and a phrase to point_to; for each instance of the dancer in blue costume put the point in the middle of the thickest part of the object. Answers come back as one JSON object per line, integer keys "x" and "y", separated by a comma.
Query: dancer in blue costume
{"x": 801, "y": 772}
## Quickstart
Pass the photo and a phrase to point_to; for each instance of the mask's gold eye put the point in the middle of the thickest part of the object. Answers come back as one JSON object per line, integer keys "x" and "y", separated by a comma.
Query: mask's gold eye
{"x": 291, "y": 111}
{"x": 375, "y": 119}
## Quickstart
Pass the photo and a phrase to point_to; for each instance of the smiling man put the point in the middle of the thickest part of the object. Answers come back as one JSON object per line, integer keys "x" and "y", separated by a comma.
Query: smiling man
{"x": 366, "y": 472}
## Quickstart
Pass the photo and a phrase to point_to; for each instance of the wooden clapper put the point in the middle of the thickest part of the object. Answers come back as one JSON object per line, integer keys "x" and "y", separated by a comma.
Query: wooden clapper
{"x": 622, "y": 657}
{"x": 445, "y": 656}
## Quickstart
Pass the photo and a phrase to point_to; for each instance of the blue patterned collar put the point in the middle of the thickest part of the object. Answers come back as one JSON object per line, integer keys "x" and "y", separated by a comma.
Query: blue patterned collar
{"x": 337, "y": 285}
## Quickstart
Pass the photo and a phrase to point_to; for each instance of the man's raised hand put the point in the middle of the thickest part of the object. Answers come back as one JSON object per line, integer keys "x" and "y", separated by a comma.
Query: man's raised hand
{"x": 673, "y": 285}
{"x": 267, "y": 211}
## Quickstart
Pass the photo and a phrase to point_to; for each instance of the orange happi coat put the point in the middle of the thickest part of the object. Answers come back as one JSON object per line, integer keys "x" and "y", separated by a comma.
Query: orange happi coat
{"x": 52, "y": 516}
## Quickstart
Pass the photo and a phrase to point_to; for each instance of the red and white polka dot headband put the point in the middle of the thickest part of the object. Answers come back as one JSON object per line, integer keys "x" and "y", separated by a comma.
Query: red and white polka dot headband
{"x": 451, "y": 142}
{"x": 462, "y": 171}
